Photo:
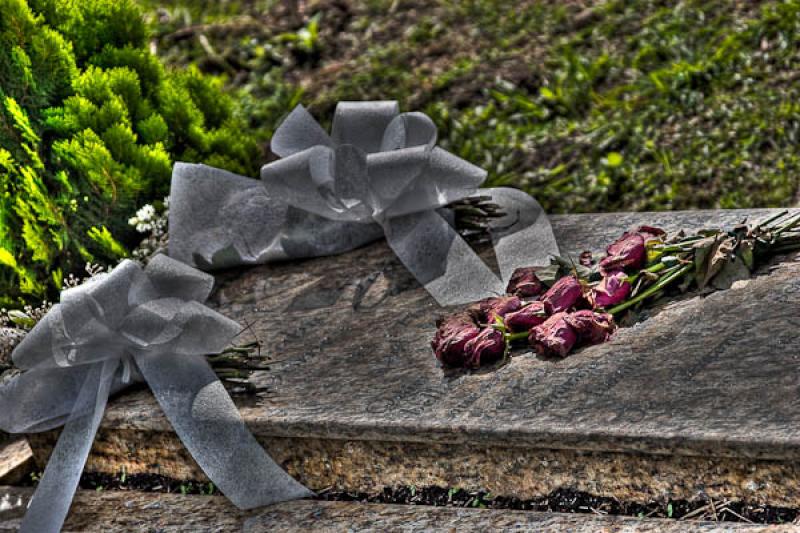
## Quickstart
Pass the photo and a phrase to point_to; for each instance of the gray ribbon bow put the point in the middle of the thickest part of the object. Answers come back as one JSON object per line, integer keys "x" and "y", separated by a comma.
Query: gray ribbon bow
{"x": 378, "y": 173}
{"x": 133, "y": 325}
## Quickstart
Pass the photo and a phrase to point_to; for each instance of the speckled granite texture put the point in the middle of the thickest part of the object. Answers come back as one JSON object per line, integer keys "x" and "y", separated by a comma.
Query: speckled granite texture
{"x": 16, "y": 460}
{"x": 704, "y": 394}
{"x": 312, "y": 516}
{"x": 369, "y": 466}
{"x": 125, "y": 511}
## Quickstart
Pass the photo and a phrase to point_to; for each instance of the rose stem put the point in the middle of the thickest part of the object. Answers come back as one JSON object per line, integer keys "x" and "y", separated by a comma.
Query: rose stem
{"x": 511, "y": 337}
{"x": 653, "y": 269}
{"x": 652, "y": 290}
{"x": 674, "y": 248}
{"x": 789, "y": 225}
{"x": 773, "y": 218}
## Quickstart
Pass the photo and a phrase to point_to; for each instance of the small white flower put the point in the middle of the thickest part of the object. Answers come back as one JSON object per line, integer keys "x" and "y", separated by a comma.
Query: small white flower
{"x": 153, "y": 224}
{"x": 146, "y": 213}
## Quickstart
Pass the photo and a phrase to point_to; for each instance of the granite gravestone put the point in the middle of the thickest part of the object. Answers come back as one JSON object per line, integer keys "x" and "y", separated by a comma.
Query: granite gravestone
{"x": 702, "y": 397}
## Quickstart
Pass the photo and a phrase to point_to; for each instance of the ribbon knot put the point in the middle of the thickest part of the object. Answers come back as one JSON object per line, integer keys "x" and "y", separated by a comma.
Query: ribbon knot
{"x": 129, "y": 325}
{"x": 379, "y": 173}
{"x": 377, "y": 164}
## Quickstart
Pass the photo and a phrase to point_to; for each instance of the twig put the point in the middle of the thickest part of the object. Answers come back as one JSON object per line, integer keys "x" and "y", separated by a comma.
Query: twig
{"x": 737, "y": 515}
{"x": 714, "y": 510}
{"x": 696, "y": 512}
{"x": 213, "y": 55}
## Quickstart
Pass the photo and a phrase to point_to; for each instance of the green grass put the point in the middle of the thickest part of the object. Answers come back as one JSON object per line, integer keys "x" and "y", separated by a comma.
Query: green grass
{"x": 615, "y": 106}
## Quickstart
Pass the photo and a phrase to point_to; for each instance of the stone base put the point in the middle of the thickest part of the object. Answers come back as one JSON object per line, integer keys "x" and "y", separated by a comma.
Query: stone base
{"x": 16, "y": 460}
{"x": 525, "y": 473}
{"x": 124, "y": 511}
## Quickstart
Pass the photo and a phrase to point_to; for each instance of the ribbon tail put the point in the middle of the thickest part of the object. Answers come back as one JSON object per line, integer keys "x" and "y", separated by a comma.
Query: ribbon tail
{"x": 523, "y": 237}
{"x": 50, "y": 503}
{"x": 209, "y": 425}
{"x": 440, "y": 259}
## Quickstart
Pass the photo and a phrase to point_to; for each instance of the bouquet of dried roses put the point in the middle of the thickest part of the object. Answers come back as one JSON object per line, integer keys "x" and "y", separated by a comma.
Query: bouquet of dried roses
{"x": 568, "y": 304}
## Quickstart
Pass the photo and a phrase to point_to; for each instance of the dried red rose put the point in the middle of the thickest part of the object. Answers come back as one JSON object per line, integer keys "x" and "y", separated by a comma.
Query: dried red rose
{"x": 612, "y": 289}
{"x": 590, "y": 326}
{"x": 553, "y": 337}
{"x": 525, "y": 283}
{"x": 499, "y": 306}
{"x": 452, "y": 335}
{"x": 529, "y": 316}
{"x": 629, "y": 250}
{"x": 565, "y": 293}
{"x": 487, "y": 347}
{"x": 650, "y": 232}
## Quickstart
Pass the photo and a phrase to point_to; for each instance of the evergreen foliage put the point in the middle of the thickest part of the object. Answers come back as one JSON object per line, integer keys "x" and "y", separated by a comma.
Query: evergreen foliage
{"x": 90, "y": 124}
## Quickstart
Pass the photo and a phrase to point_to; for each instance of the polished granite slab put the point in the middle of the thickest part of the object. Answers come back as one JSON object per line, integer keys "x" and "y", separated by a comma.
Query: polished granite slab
{"x": 352, "y": 336}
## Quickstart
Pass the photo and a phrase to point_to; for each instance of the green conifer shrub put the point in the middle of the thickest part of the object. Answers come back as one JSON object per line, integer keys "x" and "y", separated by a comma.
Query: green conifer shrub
{"x": 90, "y": 124}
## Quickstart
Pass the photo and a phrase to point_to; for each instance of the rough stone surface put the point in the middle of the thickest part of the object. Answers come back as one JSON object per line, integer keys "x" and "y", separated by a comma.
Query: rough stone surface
{"x": 706, "y": 381}
{"x": 127, "y": 511}
{"x": 527, "y": 473}
{"x": 16, "y": 459}
{"x": 118, "y": 511}
{"x": 310, "y": 516}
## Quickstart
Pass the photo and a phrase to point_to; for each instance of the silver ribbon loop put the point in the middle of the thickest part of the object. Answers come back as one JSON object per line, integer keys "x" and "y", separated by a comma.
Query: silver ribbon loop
{"x": 378, "y": 173}
{"x": 135, "y": 325}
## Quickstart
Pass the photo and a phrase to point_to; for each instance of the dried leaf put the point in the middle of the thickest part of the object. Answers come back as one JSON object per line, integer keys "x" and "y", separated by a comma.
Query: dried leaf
{"x": 721, "y": 254}
{"x": 568, "y": 265}
{"x": 685, "y": 284}
{"x": 731, "y": 272}
{"x": 650, "y": 276}
{"x": 745, "y": 252}
{"x": 702, "y": 251}
{"x": 677, "y": 237}
{"x": 549, "y": 274}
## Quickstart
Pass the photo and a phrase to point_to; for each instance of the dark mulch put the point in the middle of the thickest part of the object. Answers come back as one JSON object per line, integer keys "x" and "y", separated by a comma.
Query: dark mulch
{"x": 570, "y": 501}
{"x": 139, "y": 482}
{"x": 145, "y": 483}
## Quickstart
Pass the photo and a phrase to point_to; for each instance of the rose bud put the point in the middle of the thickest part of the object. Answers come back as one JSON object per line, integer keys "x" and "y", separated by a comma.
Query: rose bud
{"x": 650, "y": 232}
{"x": 591, "y": 327}
{"x": 452, "y": 335}
{"x": 565, "y": 293}
{"x": 524, "y": 282}
{"x": 488, "y": 346}
{"x": 553, "y": 337}
{"x": 586, "y": 259}
{"x": 499, "y": 306}
{"x": 529, "y": 316}
{"x": 613, "y": 289}
{"x": 627, "y": 251}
